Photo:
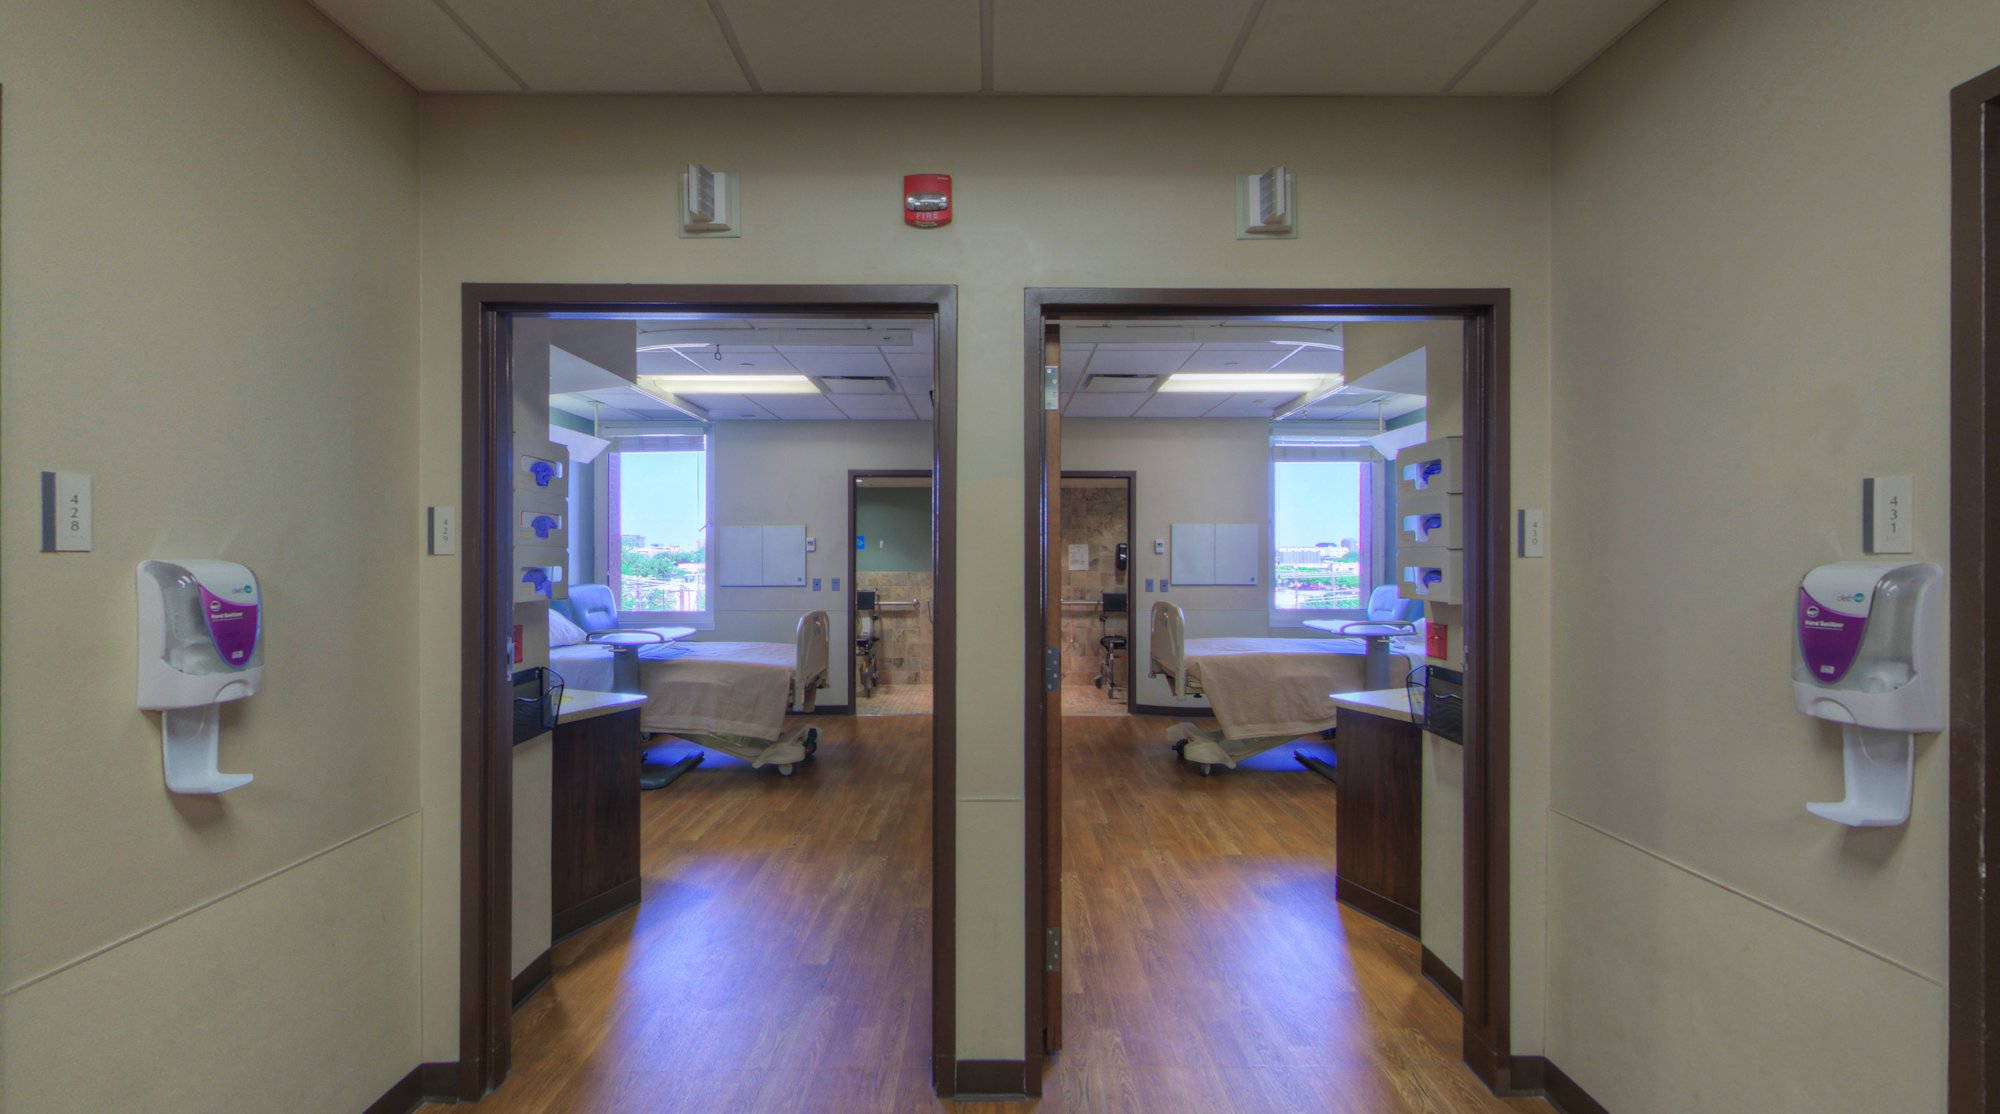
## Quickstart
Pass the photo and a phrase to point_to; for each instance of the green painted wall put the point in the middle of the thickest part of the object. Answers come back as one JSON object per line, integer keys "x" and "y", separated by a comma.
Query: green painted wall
{"x": 896, "y": 521}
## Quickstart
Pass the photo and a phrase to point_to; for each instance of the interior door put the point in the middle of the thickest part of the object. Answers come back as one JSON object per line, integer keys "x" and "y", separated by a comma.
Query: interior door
{"x": 1051, "y": 584}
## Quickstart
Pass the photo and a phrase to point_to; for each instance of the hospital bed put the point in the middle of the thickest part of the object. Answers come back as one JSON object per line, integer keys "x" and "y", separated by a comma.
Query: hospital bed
{"x": 726, "y": 696}
{"x": 1265, "y": 692}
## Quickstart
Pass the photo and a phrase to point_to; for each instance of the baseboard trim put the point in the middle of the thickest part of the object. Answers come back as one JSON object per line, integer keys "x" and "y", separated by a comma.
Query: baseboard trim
{"x": 1442, "y": 977}
{"x": 990, "y": 1079}
{"x": 1537, "y": 1075}
{"x": 533, "y": 977}
{"x": 583, "y": 914}
{"x": 829, "y": 710}
{"x": 424, "y": 1083}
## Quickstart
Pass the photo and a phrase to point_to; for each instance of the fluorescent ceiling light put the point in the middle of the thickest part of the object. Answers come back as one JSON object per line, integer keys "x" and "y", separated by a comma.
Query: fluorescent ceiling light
{"x": 672, "y": 347}
{"x": 1311, "y": 344}
{"x": 1232, "y": 383}
{"x": 728, "y": 384}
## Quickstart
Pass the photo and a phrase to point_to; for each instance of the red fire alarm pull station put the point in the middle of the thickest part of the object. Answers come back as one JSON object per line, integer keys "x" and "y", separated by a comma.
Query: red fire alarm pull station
{"x": 1435, "y": 642}
{"x": 927, "y": 199}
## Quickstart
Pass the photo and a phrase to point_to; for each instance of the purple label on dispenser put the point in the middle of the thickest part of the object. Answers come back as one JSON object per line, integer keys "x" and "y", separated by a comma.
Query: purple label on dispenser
{"x": 1828, "y": 639}
{"x": 232, "y": 626}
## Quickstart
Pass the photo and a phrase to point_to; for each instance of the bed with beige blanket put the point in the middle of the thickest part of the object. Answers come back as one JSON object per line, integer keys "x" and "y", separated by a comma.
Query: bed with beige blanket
{"x": 726, "y": 696}
{"x": 1265, "y": 692}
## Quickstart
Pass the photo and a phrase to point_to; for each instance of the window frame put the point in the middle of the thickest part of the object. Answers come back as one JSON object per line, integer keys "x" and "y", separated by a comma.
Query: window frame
{"x": 609, "y": 533}
{"x": 1376, "y": 538}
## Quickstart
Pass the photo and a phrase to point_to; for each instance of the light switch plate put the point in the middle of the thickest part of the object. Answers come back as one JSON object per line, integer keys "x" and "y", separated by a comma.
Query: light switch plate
{"x": 65, "y": 512}
{"x": 443, "y": 531}
{"x": 1888, "y": 524}
{"x": 1529, "y": 535}
{"x": 815, "y": 583}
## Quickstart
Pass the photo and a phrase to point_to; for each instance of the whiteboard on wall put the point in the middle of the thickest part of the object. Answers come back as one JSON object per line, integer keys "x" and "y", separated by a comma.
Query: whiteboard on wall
{"x": 760, "y": 556}
{"x": 1215, "y": 553}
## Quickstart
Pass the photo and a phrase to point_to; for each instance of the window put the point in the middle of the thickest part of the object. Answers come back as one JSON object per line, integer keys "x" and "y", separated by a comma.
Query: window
{"x": 1325, "y": 527}
{"x": 656, "y": 536}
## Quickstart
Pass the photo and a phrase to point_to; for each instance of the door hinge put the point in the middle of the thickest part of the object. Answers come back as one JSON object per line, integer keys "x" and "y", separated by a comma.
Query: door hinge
{"x": 1052, "y": 669}
{"x": 1052, "y": 950}
{"x": 1051, "y": 386}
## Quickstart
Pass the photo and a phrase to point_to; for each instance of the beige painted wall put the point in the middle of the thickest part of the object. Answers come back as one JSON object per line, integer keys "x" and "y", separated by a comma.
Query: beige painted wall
{"x": 1750, "y": 235}
{"x": 578, "y": 189}
{"x": 209, "y": 248}
{"x": 791, "y": 473}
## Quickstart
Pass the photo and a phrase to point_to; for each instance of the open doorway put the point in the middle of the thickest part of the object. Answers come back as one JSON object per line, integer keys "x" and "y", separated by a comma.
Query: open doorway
{"x": 655, "y": 565}
{"x": 1271, "y": 432}
{"x": 1097, "y": 595}
{"x": 894, "y": 603}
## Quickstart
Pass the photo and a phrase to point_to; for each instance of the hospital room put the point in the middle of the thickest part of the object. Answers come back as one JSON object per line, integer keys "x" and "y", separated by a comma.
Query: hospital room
{"x": 713, "y": 664}
{"x": 1262, "y": 632}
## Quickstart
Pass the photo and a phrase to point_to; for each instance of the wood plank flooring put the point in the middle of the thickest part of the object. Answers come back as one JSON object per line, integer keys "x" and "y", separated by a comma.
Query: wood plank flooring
{"x": 778, "y": 961}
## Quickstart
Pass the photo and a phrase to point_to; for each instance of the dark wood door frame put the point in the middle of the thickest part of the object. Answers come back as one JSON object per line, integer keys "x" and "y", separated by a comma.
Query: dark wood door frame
{"x": 1488, "y": 1050}
{"x": 1132, "y": 562}
{"x": 1973, "y": 1042}
{"x": 486, "y": 751}
{"x": 854, "y": 573}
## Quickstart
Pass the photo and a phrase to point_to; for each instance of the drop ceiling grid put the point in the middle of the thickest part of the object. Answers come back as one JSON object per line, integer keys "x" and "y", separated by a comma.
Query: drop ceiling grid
{"x": 607, "y": 46}
{"x": 1409, "y": 47}
{"x": 859, "y": 46}
{"x": 1047, "y": 47}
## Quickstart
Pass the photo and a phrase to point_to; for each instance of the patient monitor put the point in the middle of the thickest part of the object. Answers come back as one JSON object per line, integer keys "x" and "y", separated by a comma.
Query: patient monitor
{"x": 199, "y": 647}
{"x": 1867, "y": 656}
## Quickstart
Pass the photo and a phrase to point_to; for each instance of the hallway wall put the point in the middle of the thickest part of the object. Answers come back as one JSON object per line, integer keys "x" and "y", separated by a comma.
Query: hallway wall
{"x": 208, "y": 244}
{"x": 1423, "y": 192}
{"x": 1751, "y": 289}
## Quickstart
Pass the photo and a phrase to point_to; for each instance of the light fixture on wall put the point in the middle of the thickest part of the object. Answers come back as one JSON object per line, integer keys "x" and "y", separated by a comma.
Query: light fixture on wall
{"x": 727, "y": 385}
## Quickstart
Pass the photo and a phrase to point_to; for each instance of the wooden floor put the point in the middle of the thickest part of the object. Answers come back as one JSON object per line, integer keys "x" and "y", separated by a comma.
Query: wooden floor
{"x": 778, "y": 961}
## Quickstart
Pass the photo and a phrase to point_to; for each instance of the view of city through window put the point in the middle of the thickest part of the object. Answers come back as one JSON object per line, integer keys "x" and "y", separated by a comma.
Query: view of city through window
{"x": 1317, "y": 531}
{"x": 662, "y": 513}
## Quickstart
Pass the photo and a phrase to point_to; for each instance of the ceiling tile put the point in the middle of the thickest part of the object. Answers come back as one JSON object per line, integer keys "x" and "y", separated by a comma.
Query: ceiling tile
{"x": 875, "y": 407}
{"x": 1113, "y": 46}
{"x": 419, "y": 41}
{"x": 1083, "y": 405}
{"x": 837, "y": 361}
{"x": 1551, "y": 43}
{"x": 1230, "y": 357}
{"x": 1177, "y": 406}
{"x": 859, "y": 46}
{"x": 749, "y": 361}
{"x": 1134, "y": 360}
{"x": 1364, "y": 46}
{"x": 1330, "y": 361}
{"x": 794, "y": 408}
{"x": 607, "y": 46}
{"x": 912, "y": 365}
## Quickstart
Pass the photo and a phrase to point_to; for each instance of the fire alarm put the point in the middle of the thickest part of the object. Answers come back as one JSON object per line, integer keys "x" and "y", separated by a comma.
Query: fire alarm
{"x": 927, "y": 199}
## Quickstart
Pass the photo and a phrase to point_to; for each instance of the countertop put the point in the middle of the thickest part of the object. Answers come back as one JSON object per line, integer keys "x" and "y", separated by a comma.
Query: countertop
{"x": 1387, "y": 703}
{"x": 583, "y": 704}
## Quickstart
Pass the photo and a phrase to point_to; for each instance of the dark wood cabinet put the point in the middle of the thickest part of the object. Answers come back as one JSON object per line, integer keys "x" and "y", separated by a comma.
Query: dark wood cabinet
{"x": 1378, "y": 821}
{"x": 595, "y": 825}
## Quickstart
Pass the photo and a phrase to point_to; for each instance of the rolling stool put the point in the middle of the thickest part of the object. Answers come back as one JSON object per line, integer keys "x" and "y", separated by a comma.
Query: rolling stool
{"x": 1113, "y": 603}
{"x": 866, "y": 673}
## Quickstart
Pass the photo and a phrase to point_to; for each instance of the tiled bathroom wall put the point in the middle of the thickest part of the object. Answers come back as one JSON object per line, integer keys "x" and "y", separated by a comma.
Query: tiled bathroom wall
{"x": 1097, "y": 517}
{"x": 904, "y": 654}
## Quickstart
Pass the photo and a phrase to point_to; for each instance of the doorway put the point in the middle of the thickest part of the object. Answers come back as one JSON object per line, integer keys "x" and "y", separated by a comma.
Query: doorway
{"x": 489, "y": 857}
{"x": 893, "y": 608}
{"x": 1097, "y": 547}
{"x": 1479, "y": 321}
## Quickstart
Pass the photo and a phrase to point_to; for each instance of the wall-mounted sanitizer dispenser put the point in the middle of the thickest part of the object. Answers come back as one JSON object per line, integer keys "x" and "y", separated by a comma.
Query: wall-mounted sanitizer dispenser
{"x": 199, "y": 623}
{"x": 1867, "y": 656}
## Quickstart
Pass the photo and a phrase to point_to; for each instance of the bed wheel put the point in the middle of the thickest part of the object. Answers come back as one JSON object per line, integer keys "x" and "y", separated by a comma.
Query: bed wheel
{"x": 1098, "y": 682}
{"x": 785, "y": 770}
{"x": 812, "y": 740}
{"x": 1179, "y": 746}
{"x": 1205, "y": 768}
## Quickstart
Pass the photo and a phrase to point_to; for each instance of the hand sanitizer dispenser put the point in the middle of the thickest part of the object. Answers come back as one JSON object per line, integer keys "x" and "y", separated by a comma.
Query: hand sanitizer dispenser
{"x": 199, "y": 623}
{"x": 1866, "y": 656}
